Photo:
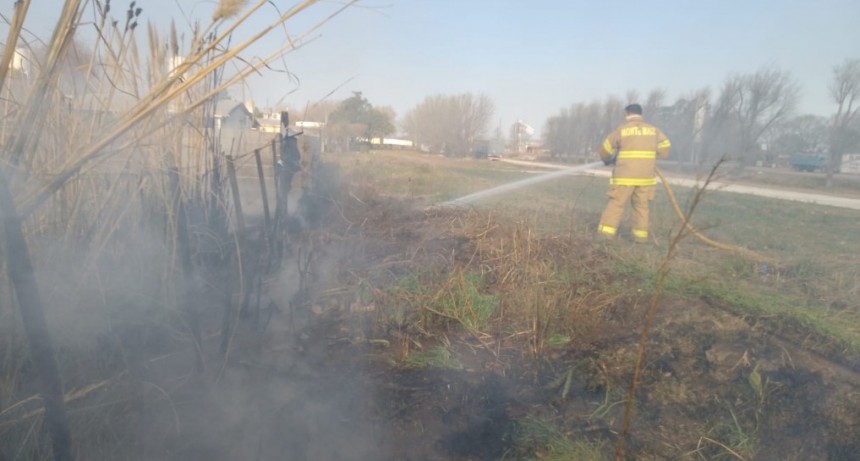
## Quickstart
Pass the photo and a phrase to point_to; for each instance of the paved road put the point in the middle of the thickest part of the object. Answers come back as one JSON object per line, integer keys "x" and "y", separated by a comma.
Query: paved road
{"x": 805, "y": 197}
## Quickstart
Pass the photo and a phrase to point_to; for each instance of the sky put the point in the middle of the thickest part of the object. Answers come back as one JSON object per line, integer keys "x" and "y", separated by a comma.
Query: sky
{"x": 532, "y": 58}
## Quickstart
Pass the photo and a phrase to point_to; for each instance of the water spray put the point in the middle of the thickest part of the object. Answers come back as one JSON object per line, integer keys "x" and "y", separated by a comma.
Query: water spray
{"x": 480, "y": 195}
{"x": 474, "y": 197}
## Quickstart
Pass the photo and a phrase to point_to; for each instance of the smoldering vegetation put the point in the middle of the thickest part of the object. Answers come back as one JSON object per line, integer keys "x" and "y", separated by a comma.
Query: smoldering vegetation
{"x": 131, "y": 270}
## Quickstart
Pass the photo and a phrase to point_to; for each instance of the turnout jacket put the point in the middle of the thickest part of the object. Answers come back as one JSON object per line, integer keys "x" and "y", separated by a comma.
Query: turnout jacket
{"x": 638, "y": 145}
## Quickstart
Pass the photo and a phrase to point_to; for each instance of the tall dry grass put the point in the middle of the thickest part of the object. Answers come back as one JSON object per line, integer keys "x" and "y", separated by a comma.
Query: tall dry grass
{"x": 504, "y": 284}
{"x": 112, "y": 156}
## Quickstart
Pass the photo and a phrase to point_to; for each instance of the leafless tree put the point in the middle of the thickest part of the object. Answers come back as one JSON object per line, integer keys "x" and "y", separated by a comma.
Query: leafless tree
{"x": 318, "y": 111}
{"x": 450, "y": 124}
{"x": 845, "y": 91}
{"x": 474, "y": 113}
{"x": 613, "y": 115}
{"x": 653, "y": 102}
{"x": 632, "y": 96}
{"x": 430, "y": 124}
{"x": 571, "y": 134}
{"x": 804, "y": 133}
{"x": 576, "y": 131}
{"x": 650, "y": 104}
{"x": 749, "y": 105}
{"x": 683, "y": 123}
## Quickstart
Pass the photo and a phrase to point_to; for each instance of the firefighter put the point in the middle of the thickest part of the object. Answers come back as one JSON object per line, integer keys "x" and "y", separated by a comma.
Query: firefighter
{"x": 633, "y": 149}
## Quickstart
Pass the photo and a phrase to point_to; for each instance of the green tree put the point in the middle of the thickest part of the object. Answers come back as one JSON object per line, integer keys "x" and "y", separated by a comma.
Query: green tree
{"x": 365, "y": 120}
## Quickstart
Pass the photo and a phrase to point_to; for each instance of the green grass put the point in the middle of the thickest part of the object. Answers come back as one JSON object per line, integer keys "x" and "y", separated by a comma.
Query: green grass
{"x": 454, "y": 297}
{"x": 439, "y": 357}
{"x": 540, "y": 440}
{"x": 781, "y": 311}
{"x": 420, "y": 175}
{"x": 465, "y": 302}
{"x": 783, "y": 314}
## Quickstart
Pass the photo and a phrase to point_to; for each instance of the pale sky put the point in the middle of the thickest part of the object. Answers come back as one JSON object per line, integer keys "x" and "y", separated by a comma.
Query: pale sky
{"x": 532, "y": 58}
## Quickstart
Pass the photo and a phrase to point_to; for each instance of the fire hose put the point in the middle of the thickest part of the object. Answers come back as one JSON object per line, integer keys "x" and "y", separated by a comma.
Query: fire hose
{"x": 740, "y": 251}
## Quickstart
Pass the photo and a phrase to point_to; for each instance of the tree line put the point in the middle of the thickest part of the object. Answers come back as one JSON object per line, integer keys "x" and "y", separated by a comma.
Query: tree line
{"x": 751, "y": 118}
{"x": 452, "y": 125}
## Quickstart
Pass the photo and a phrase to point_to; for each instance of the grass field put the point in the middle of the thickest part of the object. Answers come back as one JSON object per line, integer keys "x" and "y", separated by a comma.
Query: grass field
{"x": 817, "y": 278}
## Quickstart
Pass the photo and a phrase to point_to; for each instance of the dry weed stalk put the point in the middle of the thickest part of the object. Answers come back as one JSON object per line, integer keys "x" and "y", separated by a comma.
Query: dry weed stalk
{"x": 547, "y": 282}
{"x": 662, "y": 272}
{"x": 15, "y": 28}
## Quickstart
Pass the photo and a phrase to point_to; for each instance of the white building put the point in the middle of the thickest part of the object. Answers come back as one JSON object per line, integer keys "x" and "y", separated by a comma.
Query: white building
{"x": 851, "y": 163}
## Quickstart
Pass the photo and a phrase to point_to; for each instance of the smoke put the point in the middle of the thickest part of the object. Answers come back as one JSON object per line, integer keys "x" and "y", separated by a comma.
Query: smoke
{"x": 117, "y": 315}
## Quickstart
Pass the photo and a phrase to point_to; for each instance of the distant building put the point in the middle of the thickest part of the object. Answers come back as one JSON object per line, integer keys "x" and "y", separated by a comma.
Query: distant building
{"x": 234, "y": 115}
{"x": 851, "y": 163}
{"x": 390, "y": 143}
{"x": 270, "y": 122}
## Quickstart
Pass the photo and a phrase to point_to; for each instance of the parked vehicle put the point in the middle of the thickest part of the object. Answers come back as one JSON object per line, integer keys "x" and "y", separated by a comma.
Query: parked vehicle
{"x": 808, "y": 162}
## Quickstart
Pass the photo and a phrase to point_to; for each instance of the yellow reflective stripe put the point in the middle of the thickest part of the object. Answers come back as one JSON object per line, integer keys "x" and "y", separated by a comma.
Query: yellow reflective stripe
{"x": 608, "y": 230}
{"x": 640, "y": 234}
{"x": 664, "y": 143}
{"x": 633, "y": 181}
{"x": 607, "y": 146}
{"x": 637, "y": 154}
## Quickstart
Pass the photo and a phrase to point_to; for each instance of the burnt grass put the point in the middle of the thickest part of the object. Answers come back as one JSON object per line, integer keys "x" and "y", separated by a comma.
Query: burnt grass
{"x": 714, "y": 385}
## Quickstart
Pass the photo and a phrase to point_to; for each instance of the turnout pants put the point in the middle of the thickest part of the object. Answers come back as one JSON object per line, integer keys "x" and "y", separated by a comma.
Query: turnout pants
{"x": 639, "y": 196}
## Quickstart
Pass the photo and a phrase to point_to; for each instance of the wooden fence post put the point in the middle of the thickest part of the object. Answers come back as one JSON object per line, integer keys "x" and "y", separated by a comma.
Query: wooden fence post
{"x": 234, "y": 188}
{"x": 227, "y": 324}
{"x": 42, "y": 355}
{"x": 183, "y": 248}
{"x": 266, "y": 216}
{"x": 275, "y": 168}
{"x": 277, "y": 240}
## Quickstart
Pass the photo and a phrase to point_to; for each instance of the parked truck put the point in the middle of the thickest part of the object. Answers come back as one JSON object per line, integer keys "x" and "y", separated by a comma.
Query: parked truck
{"x": 808, "y": 162}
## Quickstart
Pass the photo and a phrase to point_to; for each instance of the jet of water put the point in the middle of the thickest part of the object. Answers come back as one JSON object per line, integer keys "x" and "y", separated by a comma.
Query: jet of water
{"x": 480, "y": 195}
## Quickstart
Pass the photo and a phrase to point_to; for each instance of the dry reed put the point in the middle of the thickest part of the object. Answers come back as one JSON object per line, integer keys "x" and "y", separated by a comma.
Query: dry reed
{"x": 89, "y": 143}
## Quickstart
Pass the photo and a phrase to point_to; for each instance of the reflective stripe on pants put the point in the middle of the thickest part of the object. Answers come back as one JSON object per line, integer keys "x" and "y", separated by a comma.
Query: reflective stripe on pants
{"x": 639, "y": 196}
{"x": 607, "y": 230}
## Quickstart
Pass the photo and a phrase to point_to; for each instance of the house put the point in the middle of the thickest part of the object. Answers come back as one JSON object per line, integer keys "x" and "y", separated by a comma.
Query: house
{"x": 270, "y": 122}
{"x": 234, "y": 115}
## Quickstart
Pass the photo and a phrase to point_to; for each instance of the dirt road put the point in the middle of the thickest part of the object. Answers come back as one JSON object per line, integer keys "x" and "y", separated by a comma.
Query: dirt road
{"x": 805, "y": 197}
